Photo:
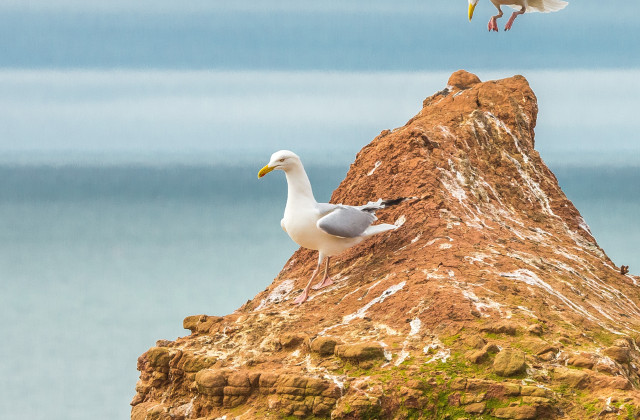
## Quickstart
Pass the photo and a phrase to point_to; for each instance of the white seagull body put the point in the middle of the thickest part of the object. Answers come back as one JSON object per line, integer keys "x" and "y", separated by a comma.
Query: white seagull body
{"x": 522, "y": 6}
{"x": 328, "y": 228}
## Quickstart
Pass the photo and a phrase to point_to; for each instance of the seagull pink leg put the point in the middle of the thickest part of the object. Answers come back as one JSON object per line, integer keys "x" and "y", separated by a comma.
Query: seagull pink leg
{"x": 326, "y": 281}
{"x": 493, "y": 23}
{"x": 512, "y": 18}
{"x": 305, "y": 293}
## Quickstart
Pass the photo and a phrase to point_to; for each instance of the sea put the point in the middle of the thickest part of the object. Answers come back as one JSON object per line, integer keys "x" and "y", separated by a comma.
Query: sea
{"x": 97, "y": 262}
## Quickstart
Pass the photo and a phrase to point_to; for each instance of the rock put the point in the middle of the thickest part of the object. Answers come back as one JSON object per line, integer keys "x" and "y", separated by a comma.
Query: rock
{"x": 139, "y": 412}
{"x": 194, "y": 363}
{"x": 190, "y": 322}
{"x": 358, "y": 406}
{"x": 291, "y": 384}
{"x": 536, "y": 391}
{"x": 360, "y": 352}
{"x": 472, "y": 398}
{"x": 239, "y": 379}
{"x": 324, "y": 346}
{"x": 582, "y": 360}
{"x": 619, "y": 354}
{"x": 606, "y": 365}
{"x": 477, "y": 356}
{"x": 200, "y": 323}
{"x": 476, "y": 408}
{"x": 547, "y": 357}
{"x": 159, "y": 357}
{"x": 523, "y": 412}
{"x": 293, "y": 340}
{"x": 267, "y": 381}
{"x": 491, "y": 348}
{"x": 623, "y": 342}
{"x": 463, "y": 80}
{"x": 209, "y": 379}
{"x": 610, "y": 382}
{"x": 500, "y": 328}
{"x": 509, "y": 362}
{"x": 475, "y": 341}
{"x": 511, "y": 389}
{"x": 455, "y": 384}
{"x": 535, "y": 329}
{"x": 577, "y": 379}
{"x": 487, "y": 240}
{"x": 481, "y": 355}
{"x": 475, "y": 384}
{"x": 537, "y": 346}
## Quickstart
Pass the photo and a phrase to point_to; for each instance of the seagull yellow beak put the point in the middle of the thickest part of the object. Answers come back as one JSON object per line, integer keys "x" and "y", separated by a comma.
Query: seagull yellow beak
{"x": 265, "y": 170}
{"x": 471, "y": 8}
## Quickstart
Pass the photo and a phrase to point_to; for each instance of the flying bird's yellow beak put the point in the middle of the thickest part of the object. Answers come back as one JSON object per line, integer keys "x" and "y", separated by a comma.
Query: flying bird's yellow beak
{"x": 265, "y": 170}
{"x": 471, "y": 8}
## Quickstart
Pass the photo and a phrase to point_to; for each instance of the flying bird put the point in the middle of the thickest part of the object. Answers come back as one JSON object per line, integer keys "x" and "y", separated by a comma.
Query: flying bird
{"x": 327, "y": 228}
{"x": 521, "y": 6}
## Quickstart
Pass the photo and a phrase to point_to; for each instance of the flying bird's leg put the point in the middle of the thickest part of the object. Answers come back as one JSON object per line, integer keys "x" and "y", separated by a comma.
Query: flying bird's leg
{"x": 305, "y": 293}
{"x": 493, "y": 24}
{"x": 513, "y": 17}
{"x": 326, "y": 281}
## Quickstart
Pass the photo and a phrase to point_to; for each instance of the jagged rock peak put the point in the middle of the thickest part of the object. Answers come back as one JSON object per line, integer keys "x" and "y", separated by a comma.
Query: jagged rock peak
{"x": 462, "y": 79}
{"x": 490, "y": 289}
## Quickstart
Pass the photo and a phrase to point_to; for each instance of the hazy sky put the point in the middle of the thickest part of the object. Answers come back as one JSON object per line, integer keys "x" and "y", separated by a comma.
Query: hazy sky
{"x": 222, "y": 77}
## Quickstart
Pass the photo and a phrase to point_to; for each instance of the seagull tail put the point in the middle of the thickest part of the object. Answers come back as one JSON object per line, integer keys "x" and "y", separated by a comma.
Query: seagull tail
{"x": 374, "y": 229}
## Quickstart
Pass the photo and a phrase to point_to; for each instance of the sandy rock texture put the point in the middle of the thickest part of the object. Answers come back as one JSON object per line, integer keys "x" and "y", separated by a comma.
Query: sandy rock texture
{"x": 491, "y": 300}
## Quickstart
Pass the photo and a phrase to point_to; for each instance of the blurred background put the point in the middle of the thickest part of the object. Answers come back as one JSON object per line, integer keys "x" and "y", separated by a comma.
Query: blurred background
{"x": 131, "y": 134}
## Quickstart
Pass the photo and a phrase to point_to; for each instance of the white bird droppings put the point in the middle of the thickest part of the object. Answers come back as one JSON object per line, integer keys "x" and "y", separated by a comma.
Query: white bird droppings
{"x": 360, "y": 313}
{"x": 415, "y": 326}
{"x": 278, "y": 294}
{"x": 378, "y": 163}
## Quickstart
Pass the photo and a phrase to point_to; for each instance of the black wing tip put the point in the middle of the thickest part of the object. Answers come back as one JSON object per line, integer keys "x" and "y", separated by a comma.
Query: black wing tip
{"x": 396, "y": 201}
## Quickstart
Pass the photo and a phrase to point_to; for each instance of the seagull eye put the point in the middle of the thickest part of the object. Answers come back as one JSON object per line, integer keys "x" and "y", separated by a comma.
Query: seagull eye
{"x": 281, "y": 160}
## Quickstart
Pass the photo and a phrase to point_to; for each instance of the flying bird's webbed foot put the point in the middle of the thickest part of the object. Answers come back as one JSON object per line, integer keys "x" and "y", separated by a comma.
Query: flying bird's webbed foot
{"x": 493, "y": 24}
{"x": 302, "y": 298}
{"x": 512, "y": 18}
{"x": 324, "y": 283}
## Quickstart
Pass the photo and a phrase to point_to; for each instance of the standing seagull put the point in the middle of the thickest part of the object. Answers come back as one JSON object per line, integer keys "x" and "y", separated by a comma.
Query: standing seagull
{"x": 327, "y": 228}
{"x": 543, "y": 6}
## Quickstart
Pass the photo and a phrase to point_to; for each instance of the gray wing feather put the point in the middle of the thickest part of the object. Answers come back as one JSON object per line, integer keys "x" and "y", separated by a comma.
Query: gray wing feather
{"x": 346, "y": 221}
{"x": 326, "y": 208}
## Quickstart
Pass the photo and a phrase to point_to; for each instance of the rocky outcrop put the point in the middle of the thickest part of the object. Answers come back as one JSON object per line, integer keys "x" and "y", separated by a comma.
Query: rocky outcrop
{"x": 492, "y": 299}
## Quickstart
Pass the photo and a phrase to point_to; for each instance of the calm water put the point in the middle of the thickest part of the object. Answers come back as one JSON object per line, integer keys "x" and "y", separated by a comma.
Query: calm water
{"x": 96, "y": 263}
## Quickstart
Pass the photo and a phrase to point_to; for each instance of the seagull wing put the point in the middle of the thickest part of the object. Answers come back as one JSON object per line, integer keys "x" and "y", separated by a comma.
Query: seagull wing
{"x": 345, "y": 221}
{"x": 544, "y": 6}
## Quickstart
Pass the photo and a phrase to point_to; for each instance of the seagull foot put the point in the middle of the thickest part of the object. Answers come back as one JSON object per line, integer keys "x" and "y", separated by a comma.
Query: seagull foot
{"x": 511, "y": 19}
{"x": 493, "y": 25}
{"x": 302, "y": 298}
{"x": 324, "y": 283}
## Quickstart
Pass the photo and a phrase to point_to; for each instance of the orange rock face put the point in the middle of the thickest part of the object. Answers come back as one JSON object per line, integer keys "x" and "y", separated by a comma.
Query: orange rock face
{"x": 490, "y": 250}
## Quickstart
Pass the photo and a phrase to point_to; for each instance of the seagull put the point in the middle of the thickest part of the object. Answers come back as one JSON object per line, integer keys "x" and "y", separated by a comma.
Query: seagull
{"x": 543, "y": 6}
{"x": 324, "y": 227}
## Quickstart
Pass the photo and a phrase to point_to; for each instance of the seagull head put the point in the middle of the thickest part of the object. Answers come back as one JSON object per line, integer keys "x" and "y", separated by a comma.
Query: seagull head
{"x": 472, "y": 6}
{"x": 282, "y": 160}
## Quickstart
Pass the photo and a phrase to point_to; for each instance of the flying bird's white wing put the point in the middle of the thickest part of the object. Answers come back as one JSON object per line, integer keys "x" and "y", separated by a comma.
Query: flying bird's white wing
{"x": 543, "y": 6}
{"x": 346, "y": 221}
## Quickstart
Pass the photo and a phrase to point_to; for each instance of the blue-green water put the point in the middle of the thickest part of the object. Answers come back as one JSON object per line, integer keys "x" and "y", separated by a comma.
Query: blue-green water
{"x": 98, "y": 262}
